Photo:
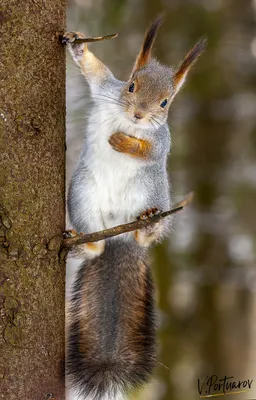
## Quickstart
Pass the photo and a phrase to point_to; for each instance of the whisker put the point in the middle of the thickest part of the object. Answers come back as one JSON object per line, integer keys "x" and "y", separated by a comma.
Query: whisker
{"x": 156, "y": 122}
{"x": 103, "y": 98}
{"x": 158, "y": 362}
{"x": 105, "y": 93}
{"x": 100, "y": 95}
{"x": 105, "y": 101}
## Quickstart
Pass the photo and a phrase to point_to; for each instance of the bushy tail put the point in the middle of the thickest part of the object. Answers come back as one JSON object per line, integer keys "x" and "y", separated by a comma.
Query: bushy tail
{"x": 111, "y": 336}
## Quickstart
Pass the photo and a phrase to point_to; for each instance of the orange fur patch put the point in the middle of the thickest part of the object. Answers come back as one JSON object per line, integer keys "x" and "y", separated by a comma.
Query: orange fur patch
{"x": 92, "y": 246}
{"x": 136, "y": 235}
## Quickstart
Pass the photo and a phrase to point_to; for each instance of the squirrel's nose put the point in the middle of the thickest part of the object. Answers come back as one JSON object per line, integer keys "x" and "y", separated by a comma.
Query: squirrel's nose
{"x": 138, "y": 115}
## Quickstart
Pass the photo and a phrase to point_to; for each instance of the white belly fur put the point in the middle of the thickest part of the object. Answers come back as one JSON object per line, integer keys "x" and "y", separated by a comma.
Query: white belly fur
{"x": 112, "y": 194}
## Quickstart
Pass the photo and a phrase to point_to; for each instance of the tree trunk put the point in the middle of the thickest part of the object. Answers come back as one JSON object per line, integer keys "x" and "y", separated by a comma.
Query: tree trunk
{"x": 32, "y": 200}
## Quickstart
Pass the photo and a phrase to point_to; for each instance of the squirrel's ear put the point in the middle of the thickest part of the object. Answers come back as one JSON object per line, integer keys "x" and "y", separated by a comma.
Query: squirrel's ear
{"x": 145, "y": 51}
{"x": 190, "y": 59}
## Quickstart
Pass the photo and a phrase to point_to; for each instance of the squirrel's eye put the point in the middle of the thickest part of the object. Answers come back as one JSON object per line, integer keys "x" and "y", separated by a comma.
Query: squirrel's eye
{"x": 131, "y": 87}
{"x": 163, "y": 104}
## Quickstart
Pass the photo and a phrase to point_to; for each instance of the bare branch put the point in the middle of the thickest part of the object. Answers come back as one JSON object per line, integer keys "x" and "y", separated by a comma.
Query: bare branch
{"x": 131, "y": 226}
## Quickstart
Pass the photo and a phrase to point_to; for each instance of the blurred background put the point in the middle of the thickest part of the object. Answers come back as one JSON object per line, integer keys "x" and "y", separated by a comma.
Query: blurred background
{"x": 205, "y": 273}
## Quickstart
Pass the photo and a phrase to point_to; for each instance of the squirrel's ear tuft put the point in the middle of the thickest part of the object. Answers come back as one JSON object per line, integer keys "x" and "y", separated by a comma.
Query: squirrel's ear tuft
{"x": 190, "y": 59}
{"x": 146, "y": 48}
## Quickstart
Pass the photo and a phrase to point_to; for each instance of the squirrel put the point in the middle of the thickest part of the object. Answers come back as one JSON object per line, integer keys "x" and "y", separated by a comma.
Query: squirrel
{"x": 121, "y": 175}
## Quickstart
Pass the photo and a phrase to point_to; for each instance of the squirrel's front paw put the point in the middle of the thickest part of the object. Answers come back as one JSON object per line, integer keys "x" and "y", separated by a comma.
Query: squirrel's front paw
{"x": 138, "y": 148}
{"x": 76, "y": 49}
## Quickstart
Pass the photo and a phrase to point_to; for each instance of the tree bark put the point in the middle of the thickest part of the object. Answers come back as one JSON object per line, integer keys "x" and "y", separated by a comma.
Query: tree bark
{"x": 32, "y": 199}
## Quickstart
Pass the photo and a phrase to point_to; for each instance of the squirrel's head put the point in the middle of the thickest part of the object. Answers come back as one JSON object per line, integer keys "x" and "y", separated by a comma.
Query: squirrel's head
{"x": 152, "y": 86}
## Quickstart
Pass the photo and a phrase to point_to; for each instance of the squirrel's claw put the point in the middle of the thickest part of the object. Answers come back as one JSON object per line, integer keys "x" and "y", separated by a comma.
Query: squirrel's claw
{"x": 70, "y": 37}
{"x": 149, "y": 213}
{"x": 70, "y": 234}
{"x": 64, "y": 40}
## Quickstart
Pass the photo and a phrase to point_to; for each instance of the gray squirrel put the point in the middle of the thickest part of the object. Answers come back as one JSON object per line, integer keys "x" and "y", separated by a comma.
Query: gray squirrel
{"x": 121, "y": 175}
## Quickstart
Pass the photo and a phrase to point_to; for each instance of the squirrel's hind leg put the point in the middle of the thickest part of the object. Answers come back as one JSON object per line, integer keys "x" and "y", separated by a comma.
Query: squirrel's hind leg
{"x": 152, "y": 233}
{"x": 88, "y": 250}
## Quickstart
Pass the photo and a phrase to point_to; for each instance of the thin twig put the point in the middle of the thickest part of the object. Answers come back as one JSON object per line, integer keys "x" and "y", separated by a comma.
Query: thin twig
{"x": 131, "y": 226}
{"x": 95, "y": 39}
